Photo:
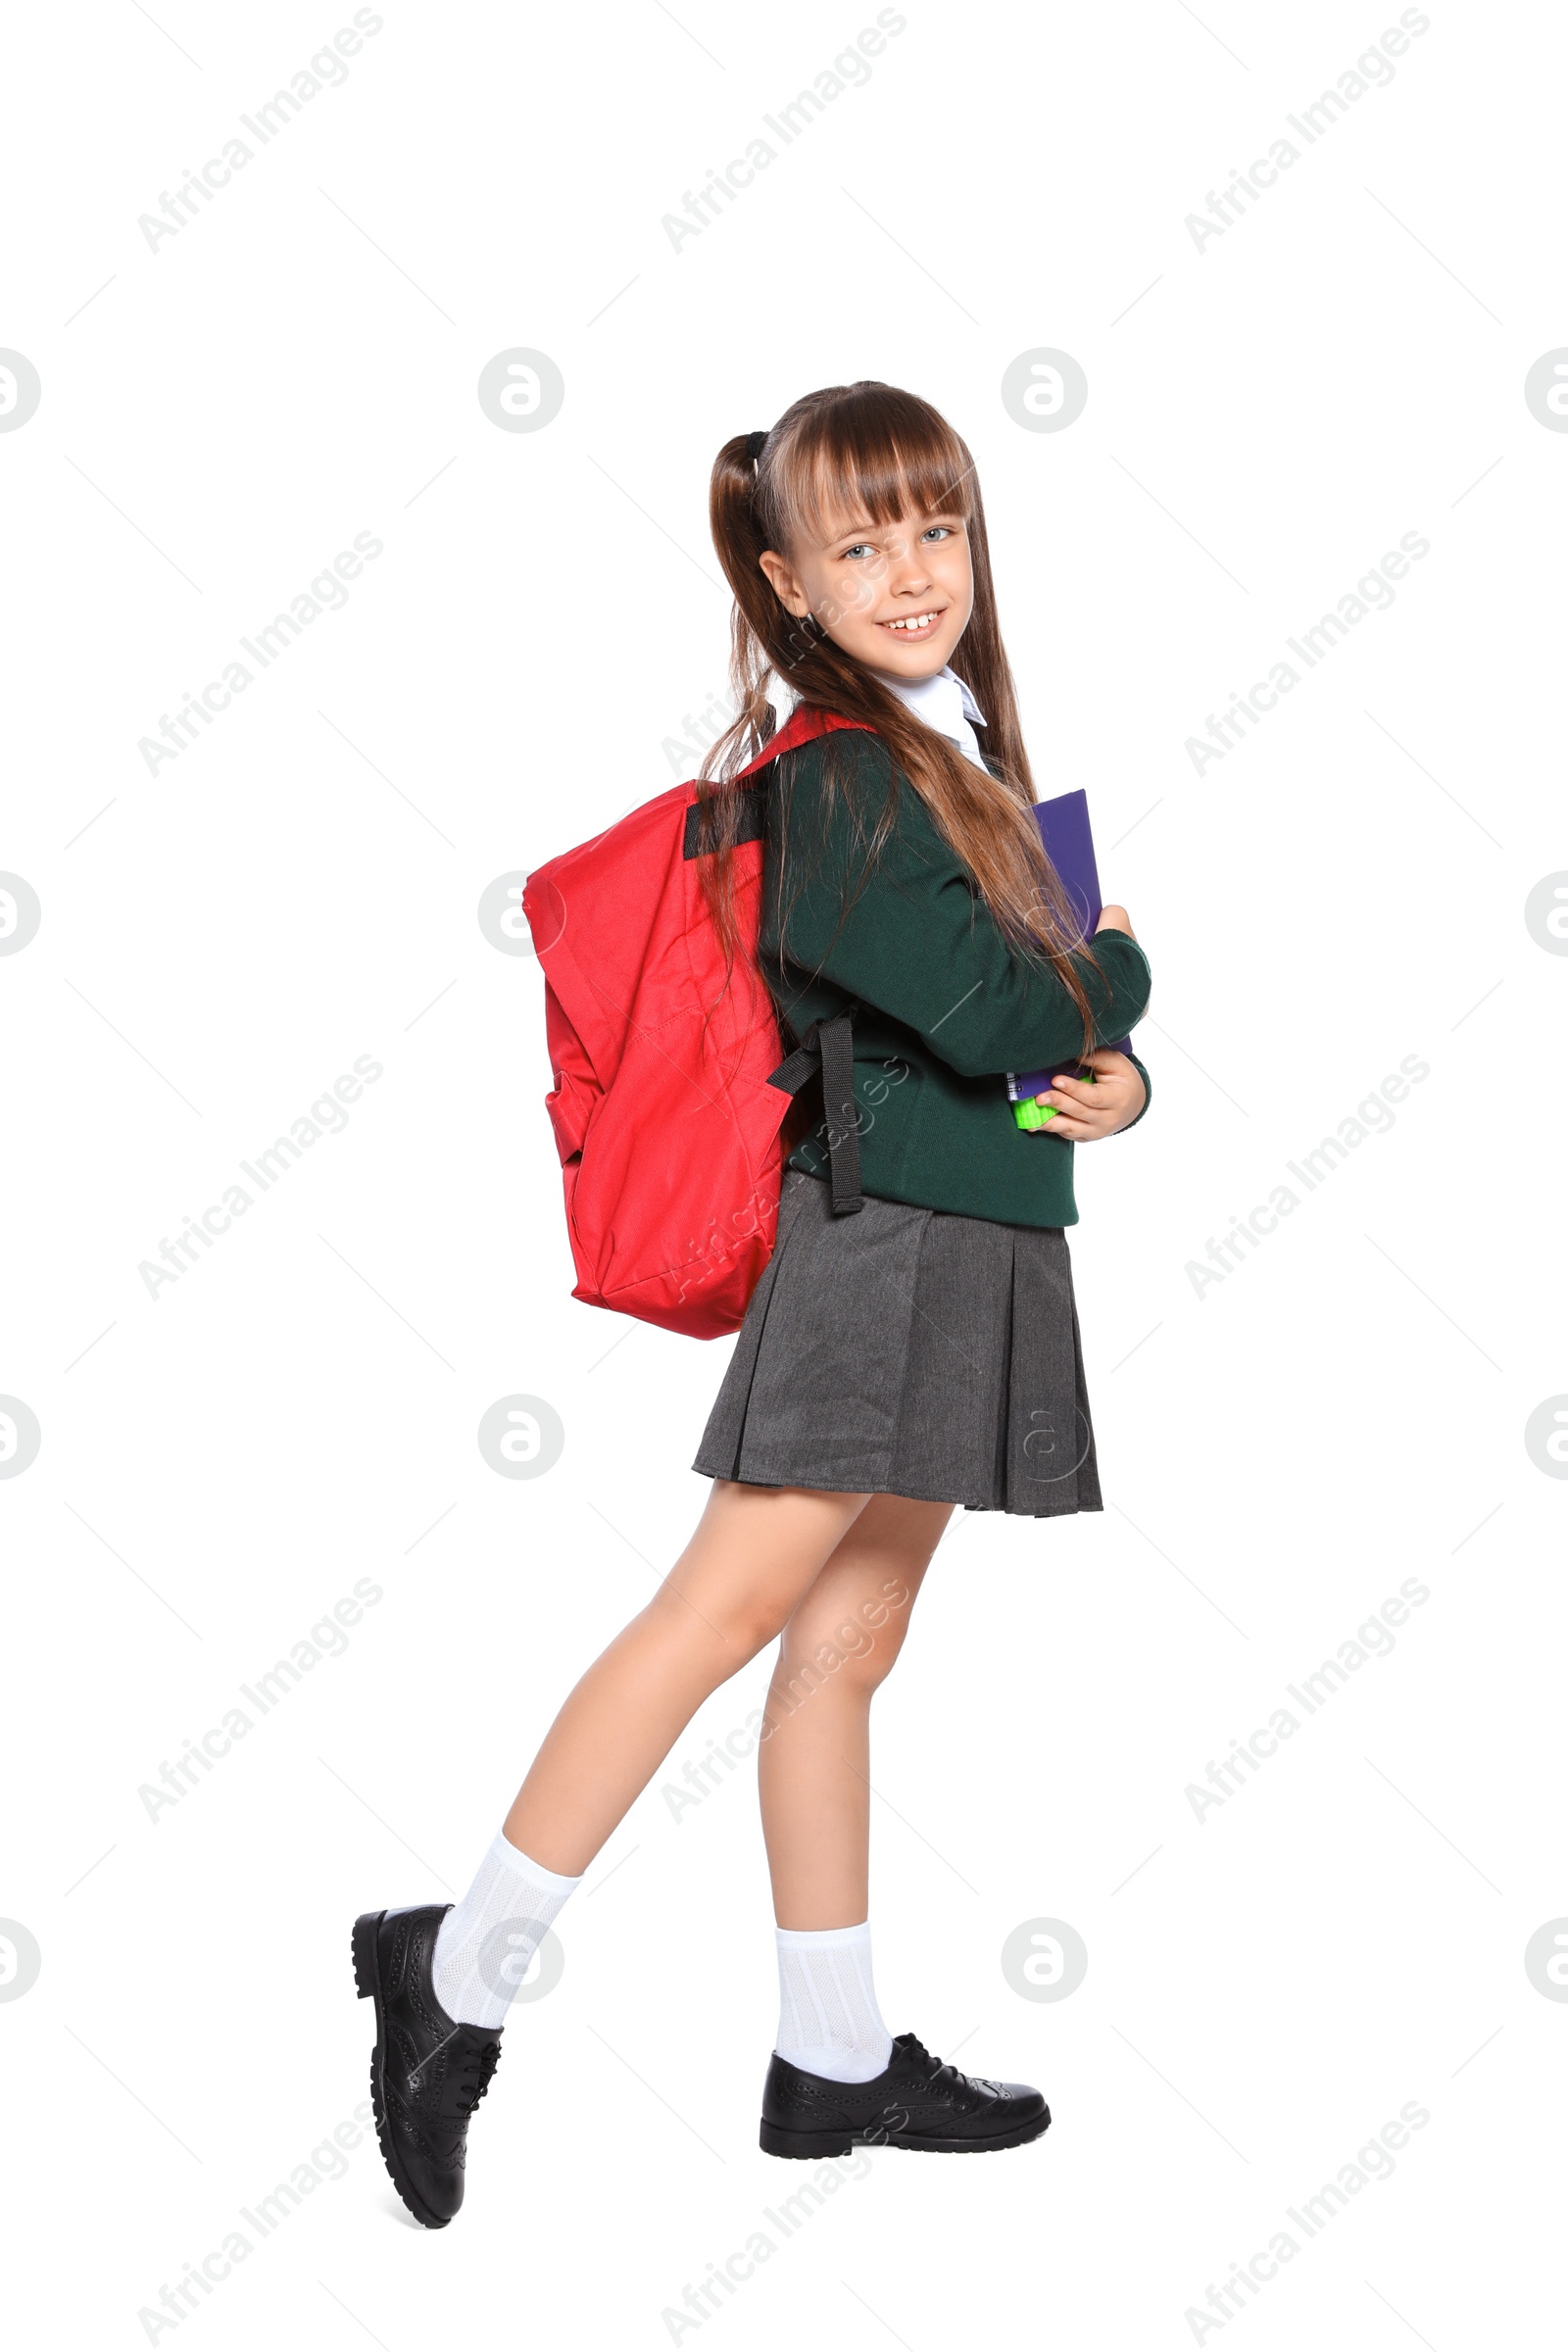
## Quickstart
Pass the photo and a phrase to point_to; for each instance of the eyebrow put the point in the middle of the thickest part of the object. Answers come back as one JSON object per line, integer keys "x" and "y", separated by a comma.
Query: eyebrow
{"x": 865, "y": 529}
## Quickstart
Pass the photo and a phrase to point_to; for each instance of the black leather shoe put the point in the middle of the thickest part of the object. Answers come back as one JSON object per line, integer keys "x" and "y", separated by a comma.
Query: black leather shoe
{"x": 916, "y": 2104}
{"x": 427, "y": 2072}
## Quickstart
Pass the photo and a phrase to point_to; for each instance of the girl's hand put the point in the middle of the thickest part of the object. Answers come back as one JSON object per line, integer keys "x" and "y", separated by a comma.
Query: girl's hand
{"x": 1115, "y": 918}
{"x": 1087, "y": 1111}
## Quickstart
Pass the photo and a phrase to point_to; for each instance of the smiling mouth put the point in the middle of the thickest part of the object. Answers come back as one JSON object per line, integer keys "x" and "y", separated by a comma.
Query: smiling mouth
{"x": 917, "y": 624}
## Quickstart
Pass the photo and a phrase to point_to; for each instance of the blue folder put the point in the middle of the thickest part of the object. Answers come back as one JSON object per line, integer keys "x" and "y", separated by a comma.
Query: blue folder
{"x": 1069, "y": 844}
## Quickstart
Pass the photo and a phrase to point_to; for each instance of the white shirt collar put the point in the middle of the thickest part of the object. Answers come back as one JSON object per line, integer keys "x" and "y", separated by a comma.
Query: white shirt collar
{"x": 944, "y": 702}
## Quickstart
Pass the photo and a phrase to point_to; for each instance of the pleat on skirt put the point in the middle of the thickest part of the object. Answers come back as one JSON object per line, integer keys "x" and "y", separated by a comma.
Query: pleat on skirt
{"x": 909, "y": 1351}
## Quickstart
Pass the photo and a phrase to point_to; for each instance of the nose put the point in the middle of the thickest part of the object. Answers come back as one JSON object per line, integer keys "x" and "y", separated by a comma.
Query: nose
{"x": 907, "y": 572}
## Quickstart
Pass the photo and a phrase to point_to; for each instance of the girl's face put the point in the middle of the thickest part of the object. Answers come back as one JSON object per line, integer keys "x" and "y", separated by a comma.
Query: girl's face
{"x": 895, "y": 596}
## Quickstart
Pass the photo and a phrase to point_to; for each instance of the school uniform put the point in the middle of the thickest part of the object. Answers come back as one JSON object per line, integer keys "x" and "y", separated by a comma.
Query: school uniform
{"x": 927, "y": 1345}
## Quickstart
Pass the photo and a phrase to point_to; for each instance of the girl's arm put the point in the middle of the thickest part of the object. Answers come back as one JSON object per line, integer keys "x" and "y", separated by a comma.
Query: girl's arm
{"x": 1090, "y": 1110}
{"x": 1116, "y": 1098}
{"x": 908, "y": 934}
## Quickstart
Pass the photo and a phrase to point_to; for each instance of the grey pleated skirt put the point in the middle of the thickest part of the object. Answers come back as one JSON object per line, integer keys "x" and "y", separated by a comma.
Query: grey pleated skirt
{"x": 908, "y": 1351}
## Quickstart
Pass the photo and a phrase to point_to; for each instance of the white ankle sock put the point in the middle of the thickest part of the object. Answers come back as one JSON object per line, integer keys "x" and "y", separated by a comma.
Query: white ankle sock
{"x": 486, "y": 1942}
{"x": 829, "y": 2023}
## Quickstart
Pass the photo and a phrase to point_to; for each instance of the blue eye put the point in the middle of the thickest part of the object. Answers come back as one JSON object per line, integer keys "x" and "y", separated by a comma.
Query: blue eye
{"x": 938, "y": 530}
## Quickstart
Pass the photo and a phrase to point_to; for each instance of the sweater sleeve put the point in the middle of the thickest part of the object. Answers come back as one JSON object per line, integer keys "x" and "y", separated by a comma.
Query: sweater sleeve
{"x": 1148, "y": 1095}
{"x": 907, "y": 931}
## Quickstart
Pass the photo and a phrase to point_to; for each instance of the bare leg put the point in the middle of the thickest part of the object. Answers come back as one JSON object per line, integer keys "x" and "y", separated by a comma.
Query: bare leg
{"x": 757, "y": 1550}
{"x": 813, "y": 1760}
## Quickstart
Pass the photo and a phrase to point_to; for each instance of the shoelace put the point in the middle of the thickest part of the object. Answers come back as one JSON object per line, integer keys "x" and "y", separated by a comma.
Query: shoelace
{"x": 936, "y": 2067}
{"x": 477, "y": 2066}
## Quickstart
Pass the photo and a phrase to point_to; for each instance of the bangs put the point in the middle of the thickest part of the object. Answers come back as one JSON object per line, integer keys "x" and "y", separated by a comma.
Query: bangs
{"x": 867, "y": 454}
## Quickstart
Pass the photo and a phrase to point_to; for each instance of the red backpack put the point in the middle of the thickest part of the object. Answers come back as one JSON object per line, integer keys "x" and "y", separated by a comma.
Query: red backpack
{"x": 670, "y": 1088}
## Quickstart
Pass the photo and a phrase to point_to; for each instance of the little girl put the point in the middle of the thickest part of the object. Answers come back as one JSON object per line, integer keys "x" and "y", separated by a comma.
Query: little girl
{"x": 913, "y": 1344}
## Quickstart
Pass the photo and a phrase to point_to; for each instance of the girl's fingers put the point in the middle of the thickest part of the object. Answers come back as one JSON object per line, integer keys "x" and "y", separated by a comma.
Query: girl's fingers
{"x": 1099, "y": 1102}
{"x": 1079, "y": 1105}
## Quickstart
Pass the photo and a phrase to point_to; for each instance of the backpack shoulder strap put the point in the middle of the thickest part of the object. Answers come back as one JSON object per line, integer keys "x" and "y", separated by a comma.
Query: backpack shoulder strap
{"x": 802, "y": 725}
{"x": 828, "y": 1046}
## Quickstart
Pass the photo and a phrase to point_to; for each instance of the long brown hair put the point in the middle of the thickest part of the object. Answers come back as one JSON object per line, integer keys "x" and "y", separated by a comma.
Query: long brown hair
{"x": 868, "y": 448}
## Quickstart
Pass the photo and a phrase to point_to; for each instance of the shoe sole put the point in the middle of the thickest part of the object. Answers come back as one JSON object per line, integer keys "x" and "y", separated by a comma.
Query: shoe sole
{"x": 367, "y": 1983}
{"x": 805, "y": 2144}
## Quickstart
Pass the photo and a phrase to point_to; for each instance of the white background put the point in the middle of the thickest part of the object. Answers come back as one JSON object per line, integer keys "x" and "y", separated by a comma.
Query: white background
{"x": 1346, "y": 1410}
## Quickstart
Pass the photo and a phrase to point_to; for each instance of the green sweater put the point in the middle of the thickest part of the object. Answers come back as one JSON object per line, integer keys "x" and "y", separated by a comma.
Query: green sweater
{"x": 944, "y": 1007}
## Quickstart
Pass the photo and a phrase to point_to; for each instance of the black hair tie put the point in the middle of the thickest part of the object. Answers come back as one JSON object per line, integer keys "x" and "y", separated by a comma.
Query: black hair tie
{"x": 754, "y": 446}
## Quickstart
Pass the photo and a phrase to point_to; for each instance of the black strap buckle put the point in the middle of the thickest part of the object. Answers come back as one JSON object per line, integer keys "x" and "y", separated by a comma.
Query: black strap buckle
{"x": 828, "y": 1045}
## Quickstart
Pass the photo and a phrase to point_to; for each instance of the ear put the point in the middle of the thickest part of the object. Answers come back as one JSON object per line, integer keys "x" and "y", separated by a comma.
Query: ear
{"x": 785, "y": 584}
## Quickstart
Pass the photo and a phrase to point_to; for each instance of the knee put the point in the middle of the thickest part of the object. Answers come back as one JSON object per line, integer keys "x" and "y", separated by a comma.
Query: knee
{"x": 734, "y": 1634}
{"x": 848, "y": 1655}
{"x": 748, "y": 1630}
